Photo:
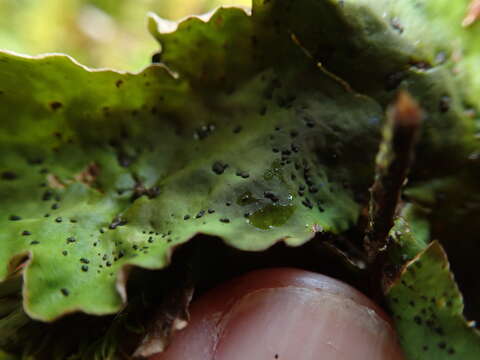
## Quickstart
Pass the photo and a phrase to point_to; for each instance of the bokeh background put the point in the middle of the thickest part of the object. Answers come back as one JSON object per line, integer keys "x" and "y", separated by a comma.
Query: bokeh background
{"x": 98, "y": 33}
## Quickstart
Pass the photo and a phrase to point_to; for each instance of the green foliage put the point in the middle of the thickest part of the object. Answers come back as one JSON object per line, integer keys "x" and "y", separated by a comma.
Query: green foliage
{"x": 253, "y": 128}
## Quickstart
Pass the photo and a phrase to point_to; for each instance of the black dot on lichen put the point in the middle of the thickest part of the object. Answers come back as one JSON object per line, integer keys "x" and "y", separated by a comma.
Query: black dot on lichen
{"x": 444, "y": 104}
{"x": 35, "y": 161}
{"x": 271, "y": 196}
{"x": 65, "y": 292}
{"x": 186, "y": 217}
{"x": 26, "y": 233}
{"x": 35, "y": 242}
{"x": 243, "y": 174}
{"x": 58, "y": 220}
{"x": 307, "y": 203}
{"x": 14, "y": 218}
{"x": 84, "y": 268}
{"x": 64, "y": 252}
{"x": 116, "y": 223}
{"x": 225, "y": 220}
{"x": 395, "y": 23}
{"x": 219, "y": 167}
{"x": 55, "y": 105}
{"x": 119, "y": 83}
{"x": 237, "y": 129}
{"x": 9, "y": 175}
{"x": 84, "y": 261}
{"x": 47, "y": 195}
{"x": 70, "y": 240}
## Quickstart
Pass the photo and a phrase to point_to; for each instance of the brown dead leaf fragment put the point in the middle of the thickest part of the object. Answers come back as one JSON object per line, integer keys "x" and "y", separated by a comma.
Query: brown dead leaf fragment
{"x": 55, "y": 182}
{"x": 89, "y": 175}
{"x": 473, "y": 13}
{"x": 171, "y": 316}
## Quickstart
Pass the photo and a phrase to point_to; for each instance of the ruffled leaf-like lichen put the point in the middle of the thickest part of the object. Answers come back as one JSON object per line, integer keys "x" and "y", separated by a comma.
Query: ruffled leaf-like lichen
{"x": 254, "y": 128}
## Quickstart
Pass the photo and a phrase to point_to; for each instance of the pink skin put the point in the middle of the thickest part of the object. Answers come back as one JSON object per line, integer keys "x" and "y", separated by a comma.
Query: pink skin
{"x": 285, "y": 314}
{"x": 473, "y": 13}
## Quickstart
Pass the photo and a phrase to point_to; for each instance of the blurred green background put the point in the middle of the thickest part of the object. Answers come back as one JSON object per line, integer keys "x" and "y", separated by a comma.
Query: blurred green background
{"x": 98, "y": 33}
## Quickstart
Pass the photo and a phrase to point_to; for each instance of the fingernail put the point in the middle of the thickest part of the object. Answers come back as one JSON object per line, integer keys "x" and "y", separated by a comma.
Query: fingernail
{"x": 293, "y": 323}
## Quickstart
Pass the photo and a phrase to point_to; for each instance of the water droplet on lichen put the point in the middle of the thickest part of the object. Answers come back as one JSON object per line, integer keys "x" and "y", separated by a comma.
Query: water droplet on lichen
{"x": 271, "y": 216}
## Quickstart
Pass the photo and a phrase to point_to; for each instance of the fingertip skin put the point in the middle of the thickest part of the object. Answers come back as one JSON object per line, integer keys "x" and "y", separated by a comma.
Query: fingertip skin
{"x": 282, "y": 313}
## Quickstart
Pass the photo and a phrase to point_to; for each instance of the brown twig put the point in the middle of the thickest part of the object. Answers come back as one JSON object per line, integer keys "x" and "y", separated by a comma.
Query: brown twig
{"x": 393, "y": 162}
